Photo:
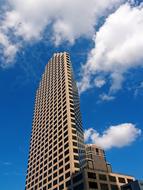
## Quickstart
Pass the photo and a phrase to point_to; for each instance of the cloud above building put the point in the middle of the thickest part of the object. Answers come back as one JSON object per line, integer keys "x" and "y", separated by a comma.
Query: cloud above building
{"x": 115, "y": 136}
{"x": 26, "y": 21}
{"x": 118, "y": 48}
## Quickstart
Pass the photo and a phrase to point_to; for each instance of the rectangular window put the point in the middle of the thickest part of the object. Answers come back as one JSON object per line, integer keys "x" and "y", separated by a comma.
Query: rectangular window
{"x": 93, "y": 185}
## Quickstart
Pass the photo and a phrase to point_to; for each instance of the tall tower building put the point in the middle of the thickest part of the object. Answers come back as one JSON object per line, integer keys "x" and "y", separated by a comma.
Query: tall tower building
{"x": 57, "y": 143}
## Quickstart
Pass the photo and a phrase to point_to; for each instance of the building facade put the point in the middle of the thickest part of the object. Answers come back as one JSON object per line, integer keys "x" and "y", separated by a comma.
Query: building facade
{"x": 89, "y": 179}
{"x": 96, "y": 158}
{"x": 97, "y": 173}
{"x": 57, "y": 143}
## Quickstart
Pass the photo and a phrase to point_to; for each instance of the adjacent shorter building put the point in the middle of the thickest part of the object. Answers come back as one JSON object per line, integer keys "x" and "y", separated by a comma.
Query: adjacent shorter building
{"x": 88, "y": 179}
{"x": 96, "y": 159}
{"x": 134, "y": 185}
{"x": 97, "y": 174}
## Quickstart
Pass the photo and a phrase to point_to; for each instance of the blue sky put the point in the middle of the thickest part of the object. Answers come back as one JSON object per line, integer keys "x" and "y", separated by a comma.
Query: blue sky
{"x": 106, "y": 53}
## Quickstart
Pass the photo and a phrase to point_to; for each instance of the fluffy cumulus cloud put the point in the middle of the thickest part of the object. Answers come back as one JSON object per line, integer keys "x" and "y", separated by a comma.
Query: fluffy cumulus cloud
{"x": 67, "y": 19}
{"x": 9, "y": 50}
{"x": 118, "y": 48}
{"x": 115, "y": 136}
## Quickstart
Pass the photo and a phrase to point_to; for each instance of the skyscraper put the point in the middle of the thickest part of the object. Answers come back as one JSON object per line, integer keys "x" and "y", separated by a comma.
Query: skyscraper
{"x": 57, "y": 143}
{"x": 58, "y": 158}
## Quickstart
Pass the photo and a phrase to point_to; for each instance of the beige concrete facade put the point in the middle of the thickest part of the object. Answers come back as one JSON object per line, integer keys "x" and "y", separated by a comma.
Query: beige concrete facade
{"x": 97, "y": 173}
{"x": 95, "y": 158}
{"x": 88, "y": 179}
{"x": 57, "y": 143}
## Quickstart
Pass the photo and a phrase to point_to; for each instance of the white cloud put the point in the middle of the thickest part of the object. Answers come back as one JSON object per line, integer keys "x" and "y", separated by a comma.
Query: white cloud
{"x": 118, "y": 47}
{"x": 8, "y": 48}
{"x": 67, "y": 19}
{"x": 106, "y": 97}
{"x": 115, "y": 136}
{"x": 99, "y": 82}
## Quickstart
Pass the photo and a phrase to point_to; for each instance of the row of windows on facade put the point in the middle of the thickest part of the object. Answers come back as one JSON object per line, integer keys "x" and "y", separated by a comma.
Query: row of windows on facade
{"x": 53, "y": 94}
{"x": 49, "y": 117}
{"x": 49, "y": 87}
{"x": 104, "y": 177}
{"x": 95, "y": 186}
{"x": 48, "y": 171}
{"x": 51, "y": 131}
{"x": 51, "y": 75}
{"x": 45, "y": 163}
{"x": 43, "y": 119}
{"x": 52, "y": 166}
{"x": 39, "y": 115}
{"x": 50, "y": 84}
{"x": 60, "y": 144}
{"x": 48, "y": 181}
{"x": 51, "y": 174}
{"x": 50, "y": 146}
{"x": 48, "y": 136}
{"x": 62, "y": 151}
{"x": 43, "y": 133}
{"x": 50, "y": 108}
{"x": 100, "y": 177}
{"x": 47, "y": 101}
{"x": 55, "y": 117}
{"x": 51, "y": 127}
{"x": 49, "y": 91}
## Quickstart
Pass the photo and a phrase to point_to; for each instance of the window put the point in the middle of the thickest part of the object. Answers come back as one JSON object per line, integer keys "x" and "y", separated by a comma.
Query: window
{"x": 121, "y": 180}
{"x": 68, "y": 183}
{"x": 61, "y": 187}
{"x": 61, "y": 178}
{"x": 49, "y": 185}
{"x": 67, "y": 166}
{"x": 76, "y": 165}
{"x": 60, "y": 157}
{"x": 104, "y": 186}
{"x": 93, "y": 185}
{"x": 49, "y": 178}
{"x": 74, "y": 144}
{"x": 129, "y": 180}
{"x": 66, "y": 152}
{"x": 102, "y": 177}
{"x": 67, "y": 175}
{"x": 67, "y": 159}
{"x": 91, "y": 175}
{"x": 45, "y": 181}
{"x": 61, "y": 171}
{"x": 55, "y": 167}
{"x": 112, "y": 178}
{"x": 55, "y": 182}
{"x": 55, "y": 175}
{"x": 60, "y": 163}
{"x": 75, "y": 150}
